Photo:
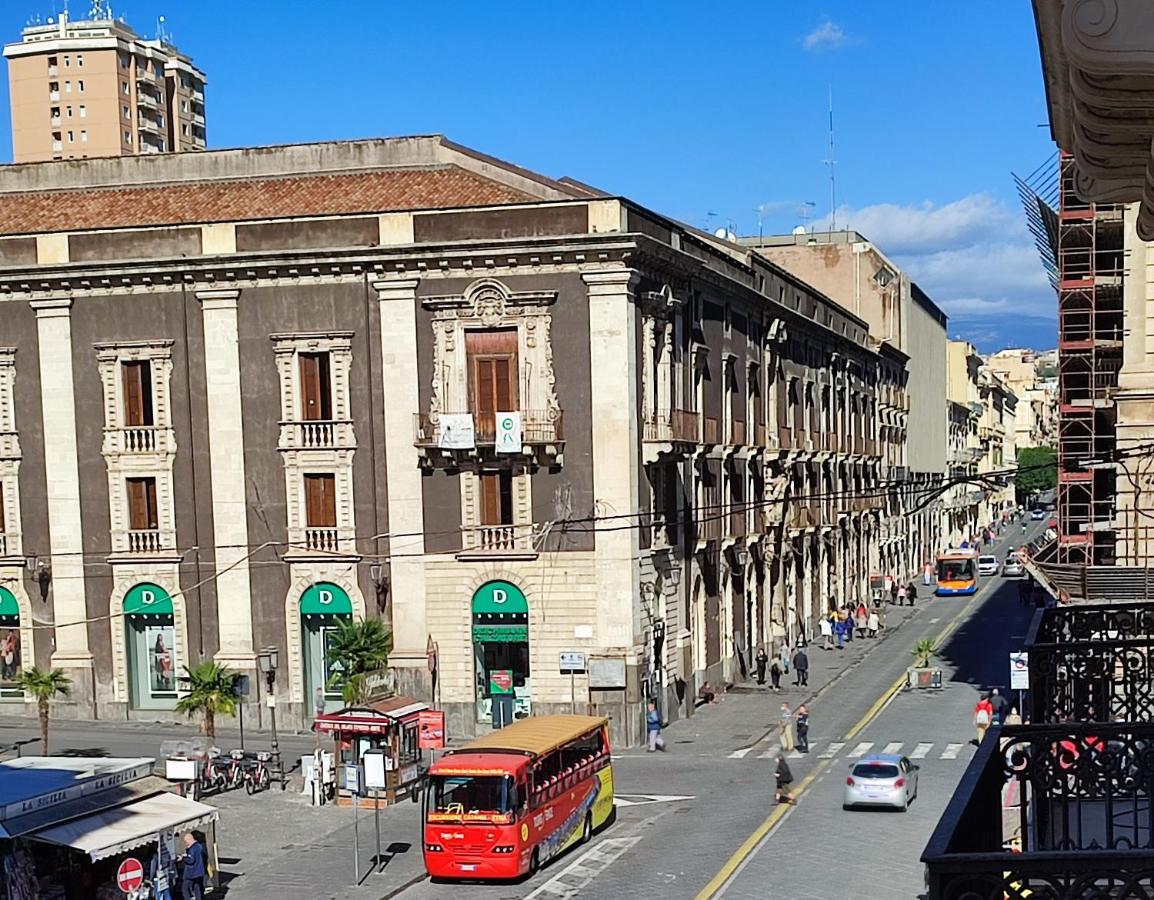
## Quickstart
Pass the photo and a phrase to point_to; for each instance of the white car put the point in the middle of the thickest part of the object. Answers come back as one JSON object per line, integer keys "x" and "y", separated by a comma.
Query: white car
{"x": 1013, "y": 567}
{"x": 987, "y": 565}
{"x": 884, "y": 779}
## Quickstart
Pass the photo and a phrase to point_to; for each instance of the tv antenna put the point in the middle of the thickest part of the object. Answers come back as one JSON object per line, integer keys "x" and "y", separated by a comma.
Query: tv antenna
{"x": 101, "y": 10}
{"x": 831, "y": 161}
{"x": 805, "y": 212}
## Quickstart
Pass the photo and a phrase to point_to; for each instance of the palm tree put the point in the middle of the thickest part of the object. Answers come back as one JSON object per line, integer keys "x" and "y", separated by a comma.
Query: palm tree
{"x": 211, "y": 690}
{"x": 922, "y": 652}
{"x": 355, "y": 649}
{"x": 44, "y": 686}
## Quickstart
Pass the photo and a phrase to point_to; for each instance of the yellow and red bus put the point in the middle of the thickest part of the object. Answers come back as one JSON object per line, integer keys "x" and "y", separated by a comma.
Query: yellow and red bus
{"x": 957, "y": 573}
{"x": 505, "y": 804}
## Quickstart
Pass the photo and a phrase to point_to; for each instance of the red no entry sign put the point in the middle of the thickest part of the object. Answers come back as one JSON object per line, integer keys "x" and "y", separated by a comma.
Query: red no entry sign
{"x": 130, "y": 875}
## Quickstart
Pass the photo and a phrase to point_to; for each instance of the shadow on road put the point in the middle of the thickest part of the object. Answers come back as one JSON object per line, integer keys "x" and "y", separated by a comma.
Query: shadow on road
{"x": 84, "y": 752}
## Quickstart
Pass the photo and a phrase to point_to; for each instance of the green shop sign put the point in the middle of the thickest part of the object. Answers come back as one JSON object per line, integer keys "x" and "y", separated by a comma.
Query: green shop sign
{"x": 147, "y": 600}
{"x": 500, "y": 634}
{"x": 325, "y": 599}
{"x": 9, "y": 608}
{"x": 500, "y": 598}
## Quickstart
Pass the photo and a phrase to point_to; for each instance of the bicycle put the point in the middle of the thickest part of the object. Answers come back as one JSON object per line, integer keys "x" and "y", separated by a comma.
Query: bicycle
{"x": 257, "y": 776}
{"x": 214, "y": 774}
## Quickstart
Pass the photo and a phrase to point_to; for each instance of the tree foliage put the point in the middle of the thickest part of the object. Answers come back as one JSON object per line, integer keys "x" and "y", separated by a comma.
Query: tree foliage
{"x": 355, "y": 649}
{"x": 44, "y": 686}
{"x": 211, "y": 690}
{"x": 1037, "y": 469}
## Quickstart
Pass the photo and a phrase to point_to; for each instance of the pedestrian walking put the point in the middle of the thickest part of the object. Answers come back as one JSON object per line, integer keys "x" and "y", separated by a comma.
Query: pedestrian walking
{"x": 826, "y": 627}
{"x": 983, "y": 715}
{"x": 911, "y": 593}
{"x": 927, "y": 573}
{"x": 1014, "y": 718}
{"x": 785, "y": 728}
{"x": 761, "y": 660}
{"x": 873, "y": 623}
{"x": 893, "y": 591}
{"x": 803, "y": 729}
{"x": 801, "y": 668}
{"x": 903, "y": 591}
{"x": 839, "y": 630}
{"x": 848, "y": 624}
{"x": 783, "y": 657}
{"x": 653, "y": 728}
{"x": 775, "y": 673}
{"x": 784, "y": 778}
{"x": 861, "y": 619}
{"x": 999, "y": 705}
{"x": 193, "y": 868}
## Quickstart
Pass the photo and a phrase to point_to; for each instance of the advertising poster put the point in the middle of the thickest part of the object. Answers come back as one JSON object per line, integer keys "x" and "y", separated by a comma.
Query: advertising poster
{"x": 161, "y": 659}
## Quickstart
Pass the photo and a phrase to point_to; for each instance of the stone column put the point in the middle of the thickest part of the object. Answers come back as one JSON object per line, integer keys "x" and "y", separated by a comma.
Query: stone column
{"x": 226, "y": 466}
{"x": 62, "y": 477}
{"x": 614, "y": 380}
{"x": 397, "y": 302}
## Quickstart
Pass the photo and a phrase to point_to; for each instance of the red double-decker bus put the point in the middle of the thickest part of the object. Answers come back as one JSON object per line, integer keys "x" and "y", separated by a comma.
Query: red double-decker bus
{"x": 508, "y": 802}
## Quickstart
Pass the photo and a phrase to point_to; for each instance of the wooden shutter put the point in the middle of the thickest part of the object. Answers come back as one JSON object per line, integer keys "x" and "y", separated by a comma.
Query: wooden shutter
{"x": 137, "y": 380}
{"x": 142, "y": 512}
{"x": 316, "y": 387}
{"x": 496, "y": 498}
{"x": 493, "y": 369}
{"x": 320, "y": 501}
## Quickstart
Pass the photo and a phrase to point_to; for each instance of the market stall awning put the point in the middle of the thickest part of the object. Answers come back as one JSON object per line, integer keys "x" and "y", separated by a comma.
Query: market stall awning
{"x": 124, "y": 827}
{"x": 375, "y": 718}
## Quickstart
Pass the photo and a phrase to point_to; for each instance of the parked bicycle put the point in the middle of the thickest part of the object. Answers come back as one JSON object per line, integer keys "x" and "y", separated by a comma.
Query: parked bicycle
{"x": 257, "y": 776}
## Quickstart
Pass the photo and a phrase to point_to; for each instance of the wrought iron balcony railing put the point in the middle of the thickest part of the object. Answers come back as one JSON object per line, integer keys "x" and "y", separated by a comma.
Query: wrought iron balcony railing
{"x": 669, "y": 426}
{"x": 1055, "y": 811}
{"x": 537, "y": 427}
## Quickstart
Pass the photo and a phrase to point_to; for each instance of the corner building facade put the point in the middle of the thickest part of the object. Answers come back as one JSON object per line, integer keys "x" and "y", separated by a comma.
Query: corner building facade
{"x": 508, "y": 415}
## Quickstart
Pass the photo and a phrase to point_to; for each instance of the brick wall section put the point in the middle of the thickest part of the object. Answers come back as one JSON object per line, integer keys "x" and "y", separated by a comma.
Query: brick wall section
{"x": 230, "y": 201}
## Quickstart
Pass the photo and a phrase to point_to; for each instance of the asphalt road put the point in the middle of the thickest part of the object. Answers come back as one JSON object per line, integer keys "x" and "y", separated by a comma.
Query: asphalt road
{"x": 689, "y": 811}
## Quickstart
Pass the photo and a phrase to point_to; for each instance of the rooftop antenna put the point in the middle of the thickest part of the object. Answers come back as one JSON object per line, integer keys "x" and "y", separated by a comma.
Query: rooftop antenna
{"x": 804, "y": 212}
{"x": 832, "y": 163}
{"x": 101, "y": 10}
{"x": 161, "y": 34}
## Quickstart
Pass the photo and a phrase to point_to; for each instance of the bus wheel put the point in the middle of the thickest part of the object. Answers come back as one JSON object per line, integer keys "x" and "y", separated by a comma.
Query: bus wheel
{"x": 534, "y": 862}
{"x": 587, "y": 831}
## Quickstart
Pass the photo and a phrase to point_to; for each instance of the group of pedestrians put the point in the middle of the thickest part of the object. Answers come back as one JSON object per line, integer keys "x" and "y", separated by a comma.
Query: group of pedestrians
{"x": 992, "y": 708}
{"x": 839, "y": 626}
{"x": 779, "y": 665}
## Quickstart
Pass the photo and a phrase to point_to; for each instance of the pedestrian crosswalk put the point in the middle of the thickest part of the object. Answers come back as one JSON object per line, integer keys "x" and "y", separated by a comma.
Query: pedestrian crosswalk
{"x": 821, "y": 750}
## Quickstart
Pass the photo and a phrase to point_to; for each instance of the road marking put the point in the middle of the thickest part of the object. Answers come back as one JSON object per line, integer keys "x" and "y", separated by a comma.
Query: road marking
{"x": 795, "y": 754}
{"x": 718, "y": 883}
{"x": 935, "y": 621}
{"x": 740, "y": 754}
{"x": 894, "y": 747}
{"x": 645, "y": 799}
{"x": 604, "y": 852}
{"x": 860, "y": 750}
{"x": 921, "y": 750}
{"x": 832, "y": 750}
{"x": 951, "y": 751}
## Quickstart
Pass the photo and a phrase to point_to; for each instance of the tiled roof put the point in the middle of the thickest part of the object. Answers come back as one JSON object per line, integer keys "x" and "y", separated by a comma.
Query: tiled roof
{"x": 227, "y": 201}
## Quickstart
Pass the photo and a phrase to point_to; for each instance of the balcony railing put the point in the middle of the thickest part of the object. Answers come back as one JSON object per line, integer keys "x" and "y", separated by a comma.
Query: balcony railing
{"x": 499, "y": 538}
{"x": 146, "y": 541}
{"x": 322, "y": 540}
{"x": 537, "y": 427}
{"x": 1079, "y": 826}
{"x": 671, "y": 426}
{"x": 737, "y": 433}
{"x": 318, "y": 434}
{"x": 136, "y": 439}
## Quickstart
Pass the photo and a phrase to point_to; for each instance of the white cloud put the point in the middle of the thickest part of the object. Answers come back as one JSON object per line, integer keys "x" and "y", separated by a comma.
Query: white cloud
{"x": 827, "y": 36}
{"x": 973, "y": 256}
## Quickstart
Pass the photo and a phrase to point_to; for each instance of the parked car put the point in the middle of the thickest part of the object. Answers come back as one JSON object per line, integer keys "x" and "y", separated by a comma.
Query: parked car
{"x": 885, "y": 779}
{"x": 987, "y": 565}
{"x": 1013, "y": 567}
{"x": 1038, "y": 515}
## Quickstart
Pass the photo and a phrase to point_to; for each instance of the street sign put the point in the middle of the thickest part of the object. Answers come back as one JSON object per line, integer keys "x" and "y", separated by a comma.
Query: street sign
{"x": 130, "y": 875}
{"x": 352, "y": 778}
{"x": 431, "y": 729}
{"x": 1020, "y": 671}
{"x": 572, "y": 662}
{"x": 375, "y": 779}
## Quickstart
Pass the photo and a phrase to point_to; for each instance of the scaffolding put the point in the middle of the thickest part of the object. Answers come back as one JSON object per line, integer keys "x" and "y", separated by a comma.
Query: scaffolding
{"x": 1091, "y": 265}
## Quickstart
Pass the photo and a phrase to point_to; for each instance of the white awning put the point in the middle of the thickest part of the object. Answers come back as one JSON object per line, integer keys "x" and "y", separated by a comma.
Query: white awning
{"x": 124, "y": 827}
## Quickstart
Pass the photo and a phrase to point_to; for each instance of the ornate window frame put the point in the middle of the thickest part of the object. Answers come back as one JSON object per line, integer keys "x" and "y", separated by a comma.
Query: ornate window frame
{"x": 517, "y": 540}
{"x": 287, "y": 349}
{"x": 125, "y": 577}
{"x": 154, "y": 461}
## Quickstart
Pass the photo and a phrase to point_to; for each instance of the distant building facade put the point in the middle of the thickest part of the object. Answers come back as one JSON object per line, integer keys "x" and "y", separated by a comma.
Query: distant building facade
{"x": 94, "y": 87}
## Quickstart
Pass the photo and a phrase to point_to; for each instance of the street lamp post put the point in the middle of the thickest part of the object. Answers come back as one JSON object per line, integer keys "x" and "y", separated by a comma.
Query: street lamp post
{"x": 268, "y": 659}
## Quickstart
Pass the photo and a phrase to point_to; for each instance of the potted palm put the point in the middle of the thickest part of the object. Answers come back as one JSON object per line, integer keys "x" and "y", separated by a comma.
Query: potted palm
{"x": 43, "y": 686}
{"x": 921, "y": 674}
{"x": 211, "y": 690}
{"x": 355, "y": 649}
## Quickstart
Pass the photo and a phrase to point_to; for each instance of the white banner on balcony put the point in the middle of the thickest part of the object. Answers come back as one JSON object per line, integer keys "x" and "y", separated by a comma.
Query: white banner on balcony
{"x": 457, "y": 432}
{"x": 508, "y": 432}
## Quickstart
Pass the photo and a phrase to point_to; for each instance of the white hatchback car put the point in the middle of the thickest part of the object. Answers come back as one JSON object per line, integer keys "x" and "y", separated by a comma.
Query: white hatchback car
{"x": 884, "y": 779}
{"x": 987, "y": 565}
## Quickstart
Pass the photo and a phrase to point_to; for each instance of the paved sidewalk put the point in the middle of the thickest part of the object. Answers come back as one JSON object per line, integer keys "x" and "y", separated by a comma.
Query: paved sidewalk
{"x": 748, "y": 712}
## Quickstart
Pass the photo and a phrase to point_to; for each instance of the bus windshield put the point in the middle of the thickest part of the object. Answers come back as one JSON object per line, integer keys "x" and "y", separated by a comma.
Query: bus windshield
{"x": 955, "y": 569}
{"x": 466, "y": 794}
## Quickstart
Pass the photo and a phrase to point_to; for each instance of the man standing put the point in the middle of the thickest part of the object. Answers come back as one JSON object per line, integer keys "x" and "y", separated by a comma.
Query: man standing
{"x": 803, "y": 728}
{"x": 785, "y": 728}
{"x": 193, "y": 872}
{"x": 653, "y": 728}
{"x": 800, "y": 668}
{"x": 826, "y": 633}
{"x": 998, "y": 704}
{"x": 761, "y": 660}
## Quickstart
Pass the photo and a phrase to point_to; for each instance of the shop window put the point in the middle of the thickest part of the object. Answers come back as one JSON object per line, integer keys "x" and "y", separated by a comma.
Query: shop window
{"x": 323, "y": 606}
{"x": 151, "y": 636}
{"x": 11, "y": 664}
{"x": 316, "y": 387}
{"x": 501, "y": 653}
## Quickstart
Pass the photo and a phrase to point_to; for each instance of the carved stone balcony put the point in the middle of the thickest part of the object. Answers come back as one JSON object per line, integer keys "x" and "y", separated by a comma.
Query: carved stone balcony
{"x": 669, "y": 433}
{"x": 313, "y": 542}
{"x": 319, "y": 434}
{"x": 505, "y": 541}
{"x": 138, "y": 439}
{"x": 542, "y": 437}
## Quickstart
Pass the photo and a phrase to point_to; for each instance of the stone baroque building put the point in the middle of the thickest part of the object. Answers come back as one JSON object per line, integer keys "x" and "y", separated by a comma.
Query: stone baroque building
{"x": 251, "y": 392}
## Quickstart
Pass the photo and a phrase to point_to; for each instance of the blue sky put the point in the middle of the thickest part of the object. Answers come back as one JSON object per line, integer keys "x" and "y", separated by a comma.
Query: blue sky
{"x": 705, "y": 113}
